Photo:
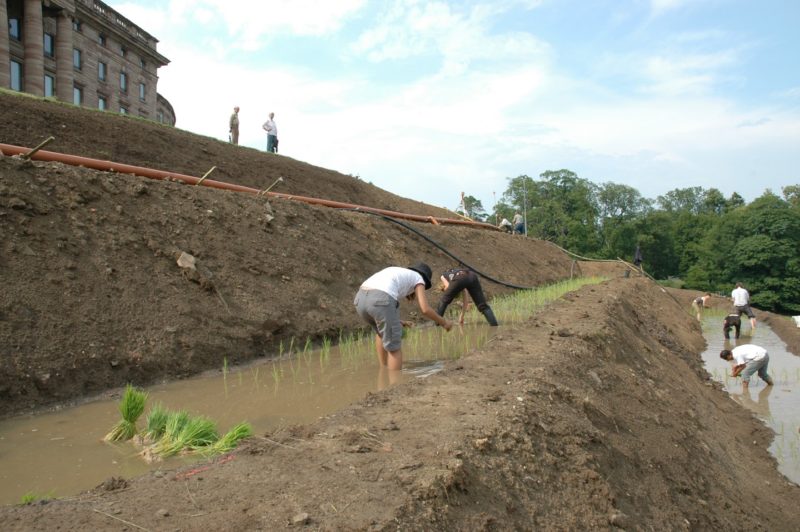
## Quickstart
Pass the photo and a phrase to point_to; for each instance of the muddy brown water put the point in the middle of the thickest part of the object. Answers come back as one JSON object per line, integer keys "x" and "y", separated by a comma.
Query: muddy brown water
{"x": 778, "y": 406}
{"x": 61, "y": 453}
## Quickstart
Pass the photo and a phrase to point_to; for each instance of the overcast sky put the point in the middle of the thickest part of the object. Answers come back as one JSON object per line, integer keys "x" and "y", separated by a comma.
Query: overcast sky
{"x": 429, "y": 99}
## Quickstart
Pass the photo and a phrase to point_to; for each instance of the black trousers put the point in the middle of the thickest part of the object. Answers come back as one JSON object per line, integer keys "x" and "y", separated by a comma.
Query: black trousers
{"x": 468, "y": 281}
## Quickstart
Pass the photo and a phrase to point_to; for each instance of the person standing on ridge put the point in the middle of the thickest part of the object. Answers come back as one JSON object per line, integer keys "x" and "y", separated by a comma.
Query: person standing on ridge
{"x": 519, "y": 224}
{"x": 377, "y": 303}
{"x": 741, "y": 302}
{"x": 463, "y": 280}
{"x": 748, "y": 359}
{"x": 272, "y": 134}
{"x": 233, "y": 126}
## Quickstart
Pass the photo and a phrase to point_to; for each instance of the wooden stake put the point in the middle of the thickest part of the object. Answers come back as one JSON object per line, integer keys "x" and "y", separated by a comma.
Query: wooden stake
{"x": 31, "y": 153}
{"x": 205, "y": 175}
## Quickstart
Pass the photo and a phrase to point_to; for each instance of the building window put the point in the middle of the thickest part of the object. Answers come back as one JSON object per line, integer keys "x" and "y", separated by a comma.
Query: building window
{"x": 77, "y": 95}
{"x": 76, "y": 25}
{"x": 49, "y": 86}
{"x": 101, "y": 71}
{"x": 13, "y": 28}
{"x": 76, "y": 58}
{"x": 16, "y": 76}
{"x": 102, "y": 103}
{"x": 49, "y": 48}
{"x": 101, "y": 39}
{"x": 123, "y": 110}
{"x": 142, "y": 63}
{"x": 123, "y": 82}
{"x": 160, "y": 117}
{"x": 122, "y": 51}
{"x": 141, "y": 91}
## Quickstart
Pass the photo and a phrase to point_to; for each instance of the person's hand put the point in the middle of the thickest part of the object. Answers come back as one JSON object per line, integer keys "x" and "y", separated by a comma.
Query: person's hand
{"x": 447, "y": 325}
{"x": 407, "y": 324}
{"x": 461, "y": 320}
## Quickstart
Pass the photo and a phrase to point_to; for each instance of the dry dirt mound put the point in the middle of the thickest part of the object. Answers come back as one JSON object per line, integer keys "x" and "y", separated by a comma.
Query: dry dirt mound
{"x": 594, "y": 415}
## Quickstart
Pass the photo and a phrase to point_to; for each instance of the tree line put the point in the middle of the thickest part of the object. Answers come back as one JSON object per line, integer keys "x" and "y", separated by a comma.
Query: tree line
{"x": 697, "y": 235}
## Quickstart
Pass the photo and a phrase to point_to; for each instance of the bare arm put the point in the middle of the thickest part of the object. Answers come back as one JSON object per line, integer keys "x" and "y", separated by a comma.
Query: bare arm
{"x": 737, "y": 370}
{"x": 427, "y": 311}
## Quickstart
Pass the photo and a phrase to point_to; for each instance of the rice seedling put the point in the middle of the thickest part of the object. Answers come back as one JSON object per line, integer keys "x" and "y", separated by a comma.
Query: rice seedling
{"x": 156, "y": 423}
{"x": 230, "y": 439}
{"x": 195, "y": 433}
{"x": 31, "y": 497}
{"x": 131, "y": 407}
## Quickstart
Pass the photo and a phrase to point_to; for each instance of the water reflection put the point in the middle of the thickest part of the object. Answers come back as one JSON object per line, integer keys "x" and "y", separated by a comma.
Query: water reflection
{"x": 779, "y": 405}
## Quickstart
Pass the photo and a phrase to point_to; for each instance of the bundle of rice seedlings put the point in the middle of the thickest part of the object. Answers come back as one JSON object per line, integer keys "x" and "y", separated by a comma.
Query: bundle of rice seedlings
{"x": 131, "y": 407}
{"x": 194, "y": 433}
{"x": 231, "y": 439}
{"x": 156, "y": 423}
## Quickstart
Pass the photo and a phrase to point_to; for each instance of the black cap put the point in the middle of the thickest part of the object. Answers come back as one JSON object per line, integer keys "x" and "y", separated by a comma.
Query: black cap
{"x": 425, "y": 271}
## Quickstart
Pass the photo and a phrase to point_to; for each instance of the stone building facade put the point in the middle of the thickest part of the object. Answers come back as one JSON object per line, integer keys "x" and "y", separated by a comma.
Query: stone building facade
{"x": 83, "y": 52}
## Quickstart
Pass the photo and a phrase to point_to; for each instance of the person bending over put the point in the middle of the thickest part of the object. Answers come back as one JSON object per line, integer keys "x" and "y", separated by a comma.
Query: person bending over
{"x": 748, "y": 359}
{"x": 463, "y": 280}
{"x": 731, "y": 321}
{"x": 699, "y": 303}
{"x": 378, "y": 302}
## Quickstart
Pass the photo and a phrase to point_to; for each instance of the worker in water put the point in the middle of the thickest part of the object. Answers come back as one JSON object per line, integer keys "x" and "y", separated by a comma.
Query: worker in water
{"x": 699, "y": 303}
{"x": 378, "y": 302}
{"x": 748, "y": 359}
{"x": 731, "y": 321}
{"x": 461, "y": 281}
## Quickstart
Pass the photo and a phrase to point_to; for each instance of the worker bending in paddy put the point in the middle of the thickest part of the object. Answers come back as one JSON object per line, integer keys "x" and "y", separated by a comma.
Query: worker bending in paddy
{"x": 378, "y": 302}
{"x": 462, "y": 281}
{"x": 748, "y": 359}
{"x": 731, "y": 321}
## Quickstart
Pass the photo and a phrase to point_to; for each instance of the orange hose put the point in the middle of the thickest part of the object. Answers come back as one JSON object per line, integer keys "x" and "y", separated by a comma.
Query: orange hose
{"x": 109, "y": 166}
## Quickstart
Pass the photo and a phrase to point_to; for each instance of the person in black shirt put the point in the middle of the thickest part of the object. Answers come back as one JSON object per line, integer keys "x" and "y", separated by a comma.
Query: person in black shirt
{"x": 456, "y": 281}
{"x": 731, "y": 321}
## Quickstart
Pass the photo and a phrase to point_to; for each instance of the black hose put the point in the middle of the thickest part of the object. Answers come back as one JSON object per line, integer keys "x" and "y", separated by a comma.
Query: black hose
{"x": 443, "y": 250}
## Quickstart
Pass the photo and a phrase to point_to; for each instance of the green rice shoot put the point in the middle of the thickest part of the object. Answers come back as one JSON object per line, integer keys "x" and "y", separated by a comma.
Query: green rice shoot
{"x": 230, "y": 439}
{"x": 131, "y": 407}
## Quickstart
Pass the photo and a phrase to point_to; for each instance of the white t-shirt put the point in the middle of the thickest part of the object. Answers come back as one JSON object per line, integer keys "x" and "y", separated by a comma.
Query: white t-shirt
{"x": 748, "y": 353}
{"x": 740, "y": 297}
{"x": 396, "y": 281}
{"x": 270, "y": 127}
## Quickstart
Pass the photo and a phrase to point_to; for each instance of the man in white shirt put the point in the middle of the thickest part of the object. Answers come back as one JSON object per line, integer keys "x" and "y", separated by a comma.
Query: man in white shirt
{"x": 741, "y": 301}
{"x": 748, "y": 359}
{"x": 272, "y": 134}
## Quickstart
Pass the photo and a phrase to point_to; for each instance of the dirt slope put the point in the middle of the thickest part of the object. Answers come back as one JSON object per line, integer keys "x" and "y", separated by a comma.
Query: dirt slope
{"x": 596, "y": 414}
{"x": 94, "y": 297}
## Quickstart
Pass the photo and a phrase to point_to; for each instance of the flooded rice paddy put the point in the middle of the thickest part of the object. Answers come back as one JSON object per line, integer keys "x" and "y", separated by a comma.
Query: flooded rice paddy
{"x": 61, "y": 453}
{"x": 777, "y": 406}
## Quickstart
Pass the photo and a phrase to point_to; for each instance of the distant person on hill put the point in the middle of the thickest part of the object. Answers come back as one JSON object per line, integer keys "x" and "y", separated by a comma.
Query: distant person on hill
{"x": 233, "y": 125}
{"x": 462, "y": 281}
{"x": 699, "y": 303}
{"x": 731, "y": 321}
{"x": 272, "y": 134}
{"x": 519, "y": 224}
{"x": 638, "y": 259}
{"x": 506, "y": 226}
{"x": 741, "y": 302}
{"x": 748, "y": 359}
{"x": 378, "y": 302}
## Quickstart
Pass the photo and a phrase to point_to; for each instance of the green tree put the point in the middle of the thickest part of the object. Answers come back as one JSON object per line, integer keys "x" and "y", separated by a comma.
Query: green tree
{"x": 759, "y": 245}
